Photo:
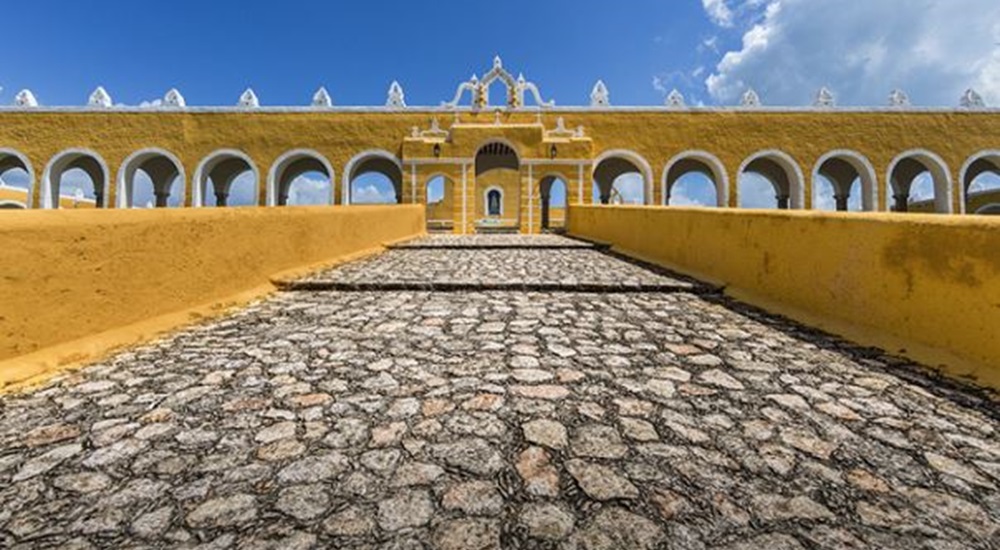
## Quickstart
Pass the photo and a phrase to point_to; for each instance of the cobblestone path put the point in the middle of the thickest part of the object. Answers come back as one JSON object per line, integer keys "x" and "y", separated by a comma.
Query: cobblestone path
{"x": 475, "y": 420}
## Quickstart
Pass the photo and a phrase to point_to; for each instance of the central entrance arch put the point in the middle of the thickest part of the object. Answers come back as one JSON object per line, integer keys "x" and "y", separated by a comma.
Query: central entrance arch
{"x": 498, "y": 187}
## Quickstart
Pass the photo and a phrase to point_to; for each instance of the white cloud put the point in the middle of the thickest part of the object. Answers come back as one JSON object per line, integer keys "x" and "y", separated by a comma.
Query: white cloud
{"x": 370, "y": 194}
{"x": 631, "y": 189}
{"x": 932, "y": 49}
{"x": 309, "y": 190}
{"x": 756, "y": 191}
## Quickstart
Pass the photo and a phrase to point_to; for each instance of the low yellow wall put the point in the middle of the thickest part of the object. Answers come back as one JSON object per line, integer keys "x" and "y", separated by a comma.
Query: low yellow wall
{"x": 924, "y": 286}
{"x": 71, "y": 279}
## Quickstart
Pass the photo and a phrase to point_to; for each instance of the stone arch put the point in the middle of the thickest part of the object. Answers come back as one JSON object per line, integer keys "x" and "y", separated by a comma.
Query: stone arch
{"x": 373, "y": 160}
{"x": 976, "y": 165}
{"x": 782, "y": 171}
{"x": 992, "y": 209}
{"x": 292, "y": 165}
{"x": 608, "y": 166}
{"x": 69, "y": 159}
{"x": 545, "y": 186}
{"x": 440, "y": 214}
{"x": 162, "y": 167}
{"x": 11, "y": 159}
{"x": 905, "y": 168}
{"x": 222, "y": 167}
{"x": 842, "y": 167}
{"x": 696, "y": 161}
{"x": 12, "y": 205}
{"x": 496, "y": 153}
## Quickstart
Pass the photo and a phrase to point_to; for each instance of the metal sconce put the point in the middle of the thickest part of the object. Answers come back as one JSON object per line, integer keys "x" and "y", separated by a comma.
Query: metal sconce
{"x": 437, "y": 150}
{"x": 553, "y": 151}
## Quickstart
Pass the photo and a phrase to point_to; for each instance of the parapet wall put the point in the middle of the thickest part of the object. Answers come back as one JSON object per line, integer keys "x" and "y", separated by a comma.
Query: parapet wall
{"x": 69, "y": 277}
{"x": 924, "y": 286}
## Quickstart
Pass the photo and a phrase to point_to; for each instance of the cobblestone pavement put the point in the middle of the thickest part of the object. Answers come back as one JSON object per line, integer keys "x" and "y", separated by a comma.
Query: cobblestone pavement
{"x": 494, "y": 241}
{"x": 475, "y": 420}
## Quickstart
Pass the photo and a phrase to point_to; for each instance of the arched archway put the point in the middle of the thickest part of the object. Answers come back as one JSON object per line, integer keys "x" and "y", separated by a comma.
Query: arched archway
{"x": 622, "y": 176}
{"x": 81, "y": 171}
{"x": 16, "y": 172}
{"x": 919, "y": 180}
{"x": 498, "y": 186}
{"x": 780, "y": 171}
{"x": 553, "y": 191}
{"x": 12, "y": 205}
{"x": 373, "y": 177}
{"x": 159, "y": 172}
{"x": 695, "y": 178}
{"x": 989, "y": 210}
{"x": 300, "y": 177}
{"x": 227, "y": 177}
{"x": 851, "y": 179}
{"x": 980, "y": 182}
{"x": 440, "y": 195}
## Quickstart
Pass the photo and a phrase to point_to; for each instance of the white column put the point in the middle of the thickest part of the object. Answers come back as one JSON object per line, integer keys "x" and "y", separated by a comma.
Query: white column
{"x": 465, "y": 202}
{"x": 531, "y": 199}
{"x": 580, "y": 184}
{"x": 413, "y": 181}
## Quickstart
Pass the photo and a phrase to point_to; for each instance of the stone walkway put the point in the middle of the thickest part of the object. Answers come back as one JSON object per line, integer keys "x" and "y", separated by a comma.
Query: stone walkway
{"x": 473, "y": 420}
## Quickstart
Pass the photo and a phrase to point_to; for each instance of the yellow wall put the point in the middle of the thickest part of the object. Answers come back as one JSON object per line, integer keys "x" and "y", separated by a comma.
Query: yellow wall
{"x": 929, "y": 285}
{"x": 510, "y": 182}
{"x": 15, "y": 194}
{"x": 70, "y": 275}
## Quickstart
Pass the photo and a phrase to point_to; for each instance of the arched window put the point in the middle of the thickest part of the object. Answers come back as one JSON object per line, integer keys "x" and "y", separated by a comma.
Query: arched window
{"x": 300, "y": 178}
{"x": 622, "y": 177}
{"x": 494, "y": 203}
{"x": 695, "y": 178}
{"x": 226, "y": 178}
{"x": 16, "y": 177}
{"x": 75, "y": 178}
{"x": 373, "y": 177}
{"x": 844, "y": 181}
{"x": 774, "y": 173}
{"x": 981, "y": 183}
{"x": 920, "y": 182}
{"x": 151, "y": 177}
{"x": 440, "y": 204}
{"x": 553, "y": 198}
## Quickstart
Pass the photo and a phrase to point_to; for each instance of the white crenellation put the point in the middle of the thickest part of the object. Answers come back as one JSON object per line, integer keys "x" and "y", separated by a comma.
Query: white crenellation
{"x": 898, "y": 98}
{"x": 750, "y": 99}
{"x": 599, "y": 96}
{"x": 248, "y": 100}
{"x": 972, "y": 100}
{"x": 173, "y": 98}
{"x": 825, "y": 99}
{"x": 480, "y": 89}
{"x": 25, "y": 99}
{"x": 100, "y": 98}
{"x": 396, "y": 98}
{"x": 322, "y": 99}
{"x": 675, "y": 99}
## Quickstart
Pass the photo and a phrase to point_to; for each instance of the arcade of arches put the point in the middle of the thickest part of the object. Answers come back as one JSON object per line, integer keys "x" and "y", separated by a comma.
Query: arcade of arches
{"x": 509, "y": 170}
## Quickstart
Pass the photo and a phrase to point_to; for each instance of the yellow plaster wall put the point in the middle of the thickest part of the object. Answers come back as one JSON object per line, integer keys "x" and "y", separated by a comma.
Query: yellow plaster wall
{"x": 70, "y": 274}
{"x": 922, "y": 285}
{"x": 510, "y": 182}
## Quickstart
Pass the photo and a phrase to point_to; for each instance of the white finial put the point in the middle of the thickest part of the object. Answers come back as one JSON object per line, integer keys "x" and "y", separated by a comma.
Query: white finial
{"x": 898, "y": 98}
{"x": 396, "y": 99}
{"x": 474, "y": 79}
{"x": 497, "y": 62}
{"x": 100, "y": 98}
{"x": 972, "y": 100}
{"x": 675, "y": 99}
{"x": 750, "y": 99}
{"x": 322, "y": 98}
{"x": 173, "y": 98}
{"x": 248, "y": 100}
{"x": 25, "y": 98}
{"x": 599, "y": 96}
{"x": 825, "y": 98}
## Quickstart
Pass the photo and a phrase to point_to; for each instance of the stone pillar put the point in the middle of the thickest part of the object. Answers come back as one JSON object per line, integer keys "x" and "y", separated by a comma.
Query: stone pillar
{"x": 902, "y": 203}
{"x": 161, "y": 198}
{"x": 98, "y": 198}
{"x": 841, "y": 202}
{"x": 221, "y": 199}
{"x": 546, "y": 205}
{"x": 784, "y": 202}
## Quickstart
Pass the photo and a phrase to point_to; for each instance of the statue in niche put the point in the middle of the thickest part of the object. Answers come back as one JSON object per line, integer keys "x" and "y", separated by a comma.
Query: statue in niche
{"x": 493, "y": 203}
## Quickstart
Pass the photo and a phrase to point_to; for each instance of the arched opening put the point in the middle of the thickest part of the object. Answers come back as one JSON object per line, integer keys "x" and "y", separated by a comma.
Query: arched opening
{"x": 300, "y": 178}
{"x": 373, "y": 177}
{"x": 12, "y": 205}
{"x": 553, "y": 197}
{"x": 695, "y": 178}
{"x": 920, "y": 182}
{"x": 622, "y": 177}
{"x": 77, "y": 178}
{"x": 981, "y": 183}
{"x": 151, "y": 177}
{"x": 844, "y": 181}
{"x": 440, "y": 204}
{"x": 498, "y": 186}
{"x": 770, "y": 179}
{"x": 226, "y": 178}
{"x": 17, "y": 180}
{"x": 989, "y": 210}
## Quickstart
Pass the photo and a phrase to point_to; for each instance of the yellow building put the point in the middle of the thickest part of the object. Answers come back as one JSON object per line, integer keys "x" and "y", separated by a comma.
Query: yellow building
{"x": 500, "y": 164}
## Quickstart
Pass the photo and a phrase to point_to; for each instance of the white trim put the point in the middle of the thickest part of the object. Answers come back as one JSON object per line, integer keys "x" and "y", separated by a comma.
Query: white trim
{"x": 963, "y": 191}
{"x": 522, "y": 162}
{"x": 865, "y": 170}
{"x": 796, "y": 180}
{"x": 719, "y": 176}
{"x": 289, "y": 157}
{"x": 27, "y": 168}
{"x": 18, "y": 205}
{"x": 465, "y": 198}
{"x": 219, "y": 154}
{"x": 579, "y": 187}
{"x": 348, "y": 176}
{"x": 531, "y": 199}
{"x": 942, "y": 204}
{"x": 125, "y": 181}
{"x": 413, "y": 184}
{"x": 47, "y": 189}
{"x": 567, "y": 109}
{"x": 637, "y": 160}
{"x": 486, "y": 200}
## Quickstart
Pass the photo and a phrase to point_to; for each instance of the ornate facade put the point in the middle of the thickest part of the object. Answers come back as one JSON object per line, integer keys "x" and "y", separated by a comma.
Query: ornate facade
{"x": 499, "y": 161}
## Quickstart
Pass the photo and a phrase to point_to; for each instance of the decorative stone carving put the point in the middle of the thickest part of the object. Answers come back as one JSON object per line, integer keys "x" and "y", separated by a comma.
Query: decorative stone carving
{"x": 599, "y": 96}
{"x": 675, "y": 99}
{"x": 898, "y": 98}
{"x": 25, "y": 99}
{"x": 322, "y": 98}
{"x": 561, "y": 131}
{"x": 173, "y": 98}
{"x": 825, "y": 99}
{"x": 480, "y": 89}
{"x": 750, "y": 99}
{"x": 434, "y": 132}
{"x": 396, "y": 98}
{"x": 100, "y": 98}
{"x": 248, "y": 100}
{"x": 972, "y": 100}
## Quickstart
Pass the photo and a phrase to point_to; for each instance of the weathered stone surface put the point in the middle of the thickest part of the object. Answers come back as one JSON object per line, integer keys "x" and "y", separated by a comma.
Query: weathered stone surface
{"x": 540, "y": 477}
{"x": 409, "y": 508}
{"x": 303, "y": 502}
{"x": 600, "y": 482}
{"x": 474, "y": 498}
{"x": 547, "y": 521}
{"x": 313, "y": 469}
{"x": 223, "y": 512}
{"x": 464, "y": 534}
{"x": 473, "y": 455}
{"x": 598, "y": 441}
{"x": 547, "y": 433}
{"x": 615, "y": 528}
{"x": 353, "y": 521}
